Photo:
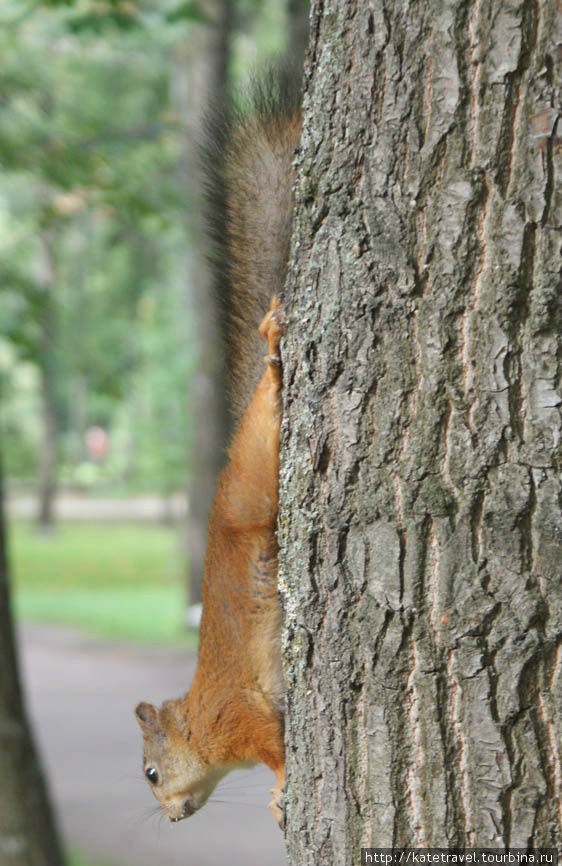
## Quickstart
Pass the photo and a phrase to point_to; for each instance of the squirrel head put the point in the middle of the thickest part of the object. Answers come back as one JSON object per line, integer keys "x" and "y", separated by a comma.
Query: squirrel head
{"x": 180, "y": 777}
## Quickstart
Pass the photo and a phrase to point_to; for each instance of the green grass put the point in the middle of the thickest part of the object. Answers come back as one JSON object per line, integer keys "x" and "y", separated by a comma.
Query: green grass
{"x": 76, "y": 858}
{"x": 94, "y": 556}
{"x": 116, "y": 580}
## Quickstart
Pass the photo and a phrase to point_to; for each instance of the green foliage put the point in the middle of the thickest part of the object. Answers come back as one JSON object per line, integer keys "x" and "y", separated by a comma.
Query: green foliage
{"x": 189, "y": 11}
{"x": 93, "y": 228}
{"x": 19, "y": 390}
{"x": 89, "y": 200}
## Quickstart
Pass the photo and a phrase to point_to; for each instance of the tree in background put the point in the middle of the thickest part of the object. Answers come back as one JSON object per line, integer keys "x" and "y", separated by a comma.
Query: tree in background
{"x": 421, "y": 520}
{"x": 298, "y": 13}
{"x": 28, "y": 835}
{"x": 46, "y": 282}
{"x": 201, "y": 85}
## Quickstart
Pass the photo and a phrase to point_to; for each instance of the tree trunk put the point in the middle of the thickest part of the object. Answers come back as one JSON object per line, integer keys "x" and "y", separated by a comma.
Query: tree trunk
{"x": 48, "y": 450}
{"x": 78, "y": 412}
{"x": 421, "y": 518}
{"x": 201, "y": 80}
{"x": 27, "y": 830}
{"x": 297, "y": 11}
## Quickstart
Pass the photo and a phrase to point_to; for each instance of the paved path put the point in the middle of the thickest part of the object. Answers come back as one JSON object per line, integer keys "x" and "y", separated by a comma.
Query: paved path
{"x": 81, "y": 695}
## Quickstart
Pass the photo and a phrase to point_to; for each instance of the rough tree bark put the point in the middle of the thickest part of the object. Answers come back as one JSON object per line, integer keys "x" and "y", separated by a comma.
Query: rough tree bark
{"x": 27, "y": 829}
{"x": 201, "y": 81}
{"x": 421, "y": 495}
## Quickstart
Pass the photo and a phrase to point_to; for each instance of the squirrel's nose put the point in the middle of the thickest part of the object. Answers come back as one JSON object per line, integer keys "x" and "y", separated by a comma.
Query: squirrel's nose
{"x": 188, "y": 809}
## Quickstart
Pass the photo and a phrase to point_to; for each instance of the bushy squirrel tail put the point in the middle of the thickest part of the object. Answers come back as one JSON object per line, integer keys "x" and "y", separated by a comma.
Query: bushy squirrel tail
{"x": 248, "y": 165}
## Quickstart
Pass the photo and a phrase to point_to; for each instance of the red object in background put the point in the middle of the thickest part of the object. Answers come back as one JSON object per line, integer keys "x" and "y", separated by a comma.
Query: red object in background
{"x": 97, "y": 443}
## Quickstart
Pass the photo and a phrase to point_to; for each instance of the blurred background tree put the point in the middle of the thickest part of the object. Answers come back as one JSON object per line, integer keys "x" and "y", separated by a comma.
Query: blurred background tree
{"x": 201, "y": 84}
{"x": 28, "y": 836}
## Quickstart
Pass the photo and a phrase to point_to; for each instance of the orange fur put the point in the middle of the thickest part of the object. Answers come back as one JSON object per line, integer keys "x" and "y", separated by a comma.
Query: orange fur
{"x": 241, "y": 615}
{"x": 233, "y": 713}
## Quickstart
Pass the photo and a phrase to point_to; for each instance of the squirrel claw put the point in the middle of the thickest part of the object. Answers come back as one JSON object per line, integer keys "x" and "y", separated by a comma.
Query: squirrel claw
{"x": 272, "y": 327}
{"x": 277, "y": 314}
{"x": 277, "y": 806}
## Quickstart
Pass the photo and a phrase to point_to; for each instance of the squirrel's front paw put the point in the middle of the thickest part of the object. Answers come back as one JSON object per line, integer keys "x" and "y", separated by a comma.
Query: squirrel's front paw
{"x": 277, "y": 806}
{"x": 272, "y": 328}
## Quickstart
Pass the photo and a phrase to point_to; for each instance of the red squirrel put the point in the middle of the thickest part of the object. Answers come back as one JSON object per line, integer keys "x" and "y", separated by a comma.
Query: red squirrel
{"x": 233, "y": 714}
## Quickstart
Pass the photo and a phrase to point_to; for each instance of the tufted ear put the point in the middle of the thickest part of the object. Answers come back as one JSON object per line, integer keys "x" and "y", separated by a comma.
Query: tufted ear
{"x": 147, "y": 717}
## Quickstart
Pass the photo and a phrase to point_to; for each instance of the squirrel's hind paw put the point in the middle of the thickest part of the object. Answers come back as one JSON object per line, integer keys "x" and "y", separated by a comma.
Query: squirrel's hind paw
{"x": 272, "y": 328}
{"x": 277, "y": 806}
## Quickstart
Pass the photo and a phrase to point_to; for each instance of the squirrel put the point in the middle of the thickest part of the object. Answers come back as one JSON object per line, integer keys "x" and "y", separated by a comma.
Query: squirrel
{"x": 232, "y": 716}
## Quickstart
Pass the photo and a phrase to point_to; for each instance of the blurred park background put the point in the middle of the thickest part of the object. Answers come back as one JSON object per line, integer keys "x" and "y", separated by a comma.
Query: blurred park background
{"x": 113, "y": 419}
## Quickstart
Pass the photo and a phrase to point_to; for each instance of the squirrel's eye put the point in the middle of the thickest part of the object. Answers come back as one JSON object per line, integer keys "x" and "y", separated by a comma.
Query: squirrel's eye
{"x": 152, "y": 775}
